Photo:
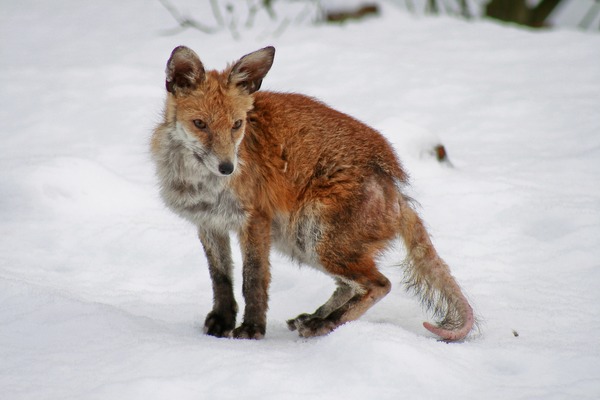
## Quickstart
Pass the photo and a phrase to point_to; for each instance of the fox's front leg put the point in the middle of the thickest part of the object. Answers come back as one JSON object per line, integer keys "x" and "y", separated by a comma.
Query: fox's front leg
{"x": 221, "y": 320}
{"x": 255, "y": 241}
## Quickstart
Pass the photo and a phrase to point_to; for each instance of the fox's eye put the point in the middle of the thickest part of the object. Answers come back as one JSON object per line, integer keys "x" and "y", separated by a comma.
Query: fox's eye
{"x": 198, "y": 123}
{"x": 237, "y": 124}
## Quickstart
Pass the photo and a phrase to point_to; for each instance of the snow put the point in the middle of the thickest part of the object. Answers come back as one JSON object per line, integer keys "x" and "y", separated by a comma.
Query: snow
{"x": 103, "y": 291}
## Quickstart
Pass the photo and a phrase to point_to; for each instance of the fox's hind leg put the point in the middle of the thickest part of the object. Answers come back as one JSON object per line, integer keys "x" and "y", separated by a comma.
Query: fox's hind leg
{"x": 354, "y": 229}
{"x": 341, "y": 296}
{"x": 360, "y": 286}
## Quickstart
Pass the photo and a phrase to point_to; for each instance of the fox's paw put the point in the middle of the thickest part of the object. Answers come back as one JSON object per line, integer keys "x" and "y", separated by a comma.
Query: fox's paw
{"x": 295, "y": 322}
{"x": 308, "y": 325}
{"x": 219, "y": 324}
{"x": 249, "y": 331}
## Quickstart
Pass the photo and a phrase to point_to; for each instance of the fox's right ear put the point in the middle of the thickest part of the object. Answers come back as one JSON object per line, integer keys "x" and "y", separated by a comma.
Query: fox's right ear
{"x": 184, "y": 71}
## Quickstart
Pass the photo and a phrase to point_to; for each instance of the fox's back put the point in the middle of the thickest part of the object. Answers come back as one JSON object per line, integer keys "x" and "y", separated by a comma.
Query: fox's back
{"x": 313, "y": 139}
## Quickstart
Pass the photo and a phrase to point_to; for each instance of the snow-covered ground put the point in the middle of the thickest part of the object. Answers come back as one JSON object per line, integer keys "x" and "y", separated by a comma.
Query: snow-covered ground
{"x": 103, "y": 292}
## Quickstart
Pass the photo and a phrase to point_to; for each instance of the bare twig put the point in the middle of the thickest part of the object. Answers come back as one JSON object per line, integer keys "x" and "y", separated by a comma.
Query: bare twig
{"x": 432, "y": 7}
{"x": 268, "y": 5}
{"x": 590, "y": 16}
{"x": 214, "y": 5}
{"x": 464, "y": 9}
{"x": 233, "y": 22}
{"x": 253, "y": 9}
{"x": 185, "y": 22}
{"x": 282, "y": 27}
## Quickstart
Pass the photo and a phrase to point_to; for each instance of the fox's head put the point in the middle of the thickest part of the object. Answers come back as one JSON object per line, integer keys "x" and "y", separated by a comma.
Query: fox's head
{"x": 209, "y": 108}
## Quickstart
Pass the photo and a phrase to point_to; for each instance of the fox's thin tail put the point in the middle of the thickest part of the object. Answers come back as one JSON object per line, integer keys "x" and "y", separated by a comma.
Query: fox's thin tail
{"x": 428, "y": 276}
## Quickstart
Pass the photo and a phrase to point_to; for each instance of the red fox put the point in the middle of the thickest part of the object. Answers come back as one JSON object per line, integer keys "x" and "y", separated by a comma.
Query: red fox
{"x": 286, "y": 170}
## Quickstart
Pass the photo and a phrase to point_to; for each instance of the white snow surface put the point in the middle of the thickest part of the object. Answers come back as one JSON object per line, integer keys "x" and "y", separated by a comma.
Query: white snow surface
{"x": 103, "y": 292}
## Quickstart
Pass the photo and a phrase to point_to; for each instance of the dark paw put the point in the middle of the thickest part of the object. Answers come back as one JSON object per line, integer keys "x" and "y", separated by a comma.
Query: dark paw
{"x": 295, "y": 322}
{"x": 249, "y": 331}
{"x": 310, "y": 326}
{"x": 219, "y": 324}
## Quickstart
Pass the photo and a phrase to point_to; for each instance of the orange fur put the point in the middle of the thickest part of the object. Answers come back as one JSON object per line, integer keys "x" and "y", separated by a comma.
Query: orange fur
{"x": 286, "y": 170}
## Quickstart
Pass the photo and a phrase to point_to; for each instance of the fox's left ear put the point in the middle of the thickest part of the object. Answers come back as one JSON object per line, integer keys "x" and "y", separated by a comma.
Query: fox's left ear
{"x": 250, "y": 70}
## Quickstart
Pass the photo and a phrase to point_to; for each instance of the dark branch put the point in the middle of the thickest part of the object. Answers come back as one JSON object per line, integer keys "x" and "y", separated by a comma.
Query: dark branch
{"x": 185, "y": 22}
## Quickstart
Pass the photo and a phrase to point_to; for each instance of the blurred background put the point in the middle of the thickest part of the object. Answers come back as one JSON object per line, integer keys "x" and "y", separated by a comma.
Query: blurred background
{"x": 239, "y": 15}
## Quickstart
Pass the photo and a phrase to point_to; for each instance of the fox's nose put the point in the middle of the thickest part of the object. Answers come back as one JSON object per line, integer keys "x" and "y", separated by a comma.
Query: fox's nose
{"x": 226, "y": 168}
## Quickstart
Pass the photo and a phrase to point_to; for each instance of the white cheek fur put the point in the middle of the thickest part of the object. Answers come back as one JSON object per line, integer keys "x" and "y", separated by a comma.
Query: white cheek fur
{"x": 187, "y": 138}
